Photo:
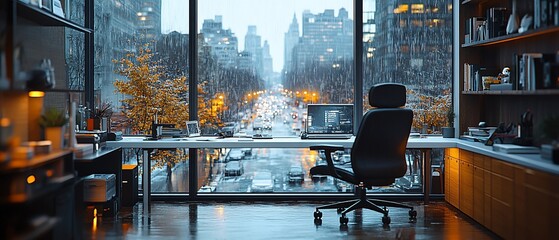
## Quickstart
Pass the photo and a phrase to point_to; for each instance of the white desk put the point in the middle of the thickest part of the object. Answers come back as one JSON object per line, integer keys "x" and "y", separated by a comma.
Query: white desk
{"x": 425, "y": 144}
{"x": 276, "y": 142}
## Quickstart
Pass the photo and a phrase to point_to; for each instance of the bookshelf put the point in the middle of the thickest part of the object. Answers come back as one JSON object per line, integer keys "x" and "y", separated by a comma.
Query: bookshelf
{"x": 498, "y": 52}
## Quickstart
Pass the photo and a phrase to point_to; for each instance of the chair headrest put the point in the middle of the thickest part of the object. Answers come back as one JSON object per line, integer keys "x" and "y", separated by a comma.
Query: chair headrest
{"x": 387, "y": 95}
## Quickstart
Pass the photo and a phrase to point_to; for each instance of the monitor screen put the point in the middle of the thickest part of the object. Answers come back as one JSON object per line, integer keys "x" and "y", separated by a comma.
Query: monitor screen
{"x": 329, "y": 118}
{"x": 192, "y": 128}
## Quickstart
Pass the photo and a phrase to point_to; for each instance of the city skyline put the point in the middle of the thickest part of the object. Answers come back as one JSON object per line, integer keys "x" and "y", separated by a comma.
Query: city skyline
{"x": 239, "y": 15}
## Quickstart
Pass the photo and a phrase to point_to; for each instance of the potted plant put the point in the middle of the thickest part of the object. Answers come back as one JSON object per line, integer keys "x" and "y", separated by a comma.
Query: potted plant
{"x": 99, "y": 118}
{"x": 550, "y": 131}
{"x": 53, "y": 121}
{"x": 448, "y": 132}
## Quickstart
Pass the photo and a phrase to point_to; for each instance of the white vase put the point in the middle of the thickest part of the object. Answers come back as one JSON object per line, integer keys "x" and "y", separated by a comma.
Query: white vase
{"x": 512, "y": 25}
{"x": 56, "y": 136}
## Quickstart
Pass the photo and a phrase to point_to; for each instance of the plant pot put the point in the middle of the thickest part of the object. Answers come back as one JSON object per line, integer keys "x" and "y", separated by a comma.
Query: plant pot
{"x": 56, "y": 136}
{"x": 448, "y": 132}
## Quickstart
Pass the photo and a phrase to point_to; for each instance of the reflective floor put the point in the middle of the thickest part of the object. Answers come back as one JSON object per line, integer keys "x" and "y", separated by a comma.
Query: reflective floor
{"x": 282, "y": 220}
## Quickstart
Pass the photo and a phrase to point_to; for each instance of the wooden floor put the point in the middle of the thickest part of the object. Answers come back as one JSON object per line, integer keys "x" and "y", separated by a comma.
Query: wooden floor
{"x": 283, "y": 220}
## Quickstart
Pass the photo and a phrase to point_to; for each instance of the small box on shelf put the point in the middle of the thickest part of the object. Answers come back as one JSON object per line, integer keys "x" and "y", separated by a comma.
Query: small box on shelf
{"x": 551, "y": 152}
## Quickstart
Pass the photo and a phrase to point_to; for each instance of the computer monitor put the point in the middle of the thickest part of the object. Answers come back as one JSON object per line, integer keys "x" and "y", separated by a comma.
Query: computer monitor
{"x": 329, "y": 119}
{"x": 192, "y": 128}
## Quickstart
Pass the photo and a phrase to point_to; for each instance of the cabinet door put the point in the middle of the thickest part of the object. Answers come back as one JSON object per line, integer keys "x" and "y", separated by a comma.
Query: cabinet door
{"x": 502, "y": 209}
{"x": 539, "y": 201}
{"x": 479, "y": 194}
{"x": 466, "y": 191}
{"x": 453, "y": 187}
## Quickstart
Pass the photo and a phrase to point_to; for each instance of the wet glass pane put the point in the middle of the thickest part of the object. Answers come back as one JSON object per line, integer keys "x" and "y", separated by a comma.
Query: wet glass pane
{"x": 262, "y": 62}
{"x": 411, "y": 43}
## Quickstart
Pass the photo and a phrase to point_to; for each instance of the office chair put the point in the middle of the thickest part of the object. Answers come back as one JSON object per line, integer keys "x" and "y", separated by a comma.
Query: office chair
{"x": 377, "y": 155}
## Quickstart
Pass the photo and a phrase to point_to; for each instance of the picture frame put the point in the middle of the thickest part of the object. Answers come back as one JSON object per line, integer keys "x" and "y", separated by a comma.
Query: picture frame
{"x": 192, "y": 129}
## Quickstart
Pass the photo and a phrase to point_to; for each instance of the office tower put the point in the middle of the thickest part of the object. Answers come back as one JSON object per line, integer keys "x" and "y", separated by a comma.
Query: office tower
{"x": 223, "y": 43}
{"x": 253, "y": 46}
{"x": 326, "y": 38}
{"x": 412, "y": 44}
{"x": 291, "y": 38}
{"x": 267, "y": 61}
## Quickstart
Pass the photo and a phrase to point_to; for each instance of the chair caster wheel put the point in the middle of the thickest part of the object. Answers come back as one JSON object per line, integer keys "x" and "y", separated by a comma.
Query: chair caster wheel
{"x": 386, "y": 220}
{"x": 413, "y": 214}
{"x": 340, "y": 210}
{"x": 344, "y": 220}
{"x": 317, "y": 215}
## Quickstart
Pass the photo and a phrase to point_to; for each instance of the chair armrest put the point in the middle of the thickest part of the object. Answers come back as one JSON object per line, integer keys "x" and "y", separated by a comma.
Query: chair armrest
{"x": 328, "y": 150}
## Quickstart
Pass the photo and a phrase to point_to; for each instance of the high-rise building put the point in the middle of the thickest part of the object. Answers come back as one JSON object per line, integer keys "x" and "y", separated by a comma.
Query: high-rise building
{"x": 223, "y": 43}
{"x": 115, "y": 36}
{"x": 412, "y": 44}
{"x": 291, "y": 38}
{"x": 253, "y": 45}
{"x": 326, "y": 38}
{"x": 267, "y": 61}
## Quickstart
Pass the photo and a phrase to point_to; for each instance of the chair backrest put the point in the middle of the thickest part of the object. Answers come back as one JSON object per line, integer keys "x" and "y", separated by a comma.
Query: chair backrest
{"x": 378, "y": 152}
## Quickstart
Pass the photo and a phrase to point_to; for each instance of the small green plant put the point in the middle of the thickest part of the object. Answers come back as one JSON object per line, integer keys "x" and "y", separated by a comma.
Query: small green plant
{"x": 450, "y": 116}
{"x": 53, "y": 117}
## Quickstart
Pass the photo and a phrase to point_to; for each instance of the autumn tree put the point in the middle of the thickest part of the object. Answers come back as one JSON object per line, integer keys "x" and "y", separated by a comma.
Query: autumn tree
{"x": 151, "y": 92}
{"x": 429, "y": 111}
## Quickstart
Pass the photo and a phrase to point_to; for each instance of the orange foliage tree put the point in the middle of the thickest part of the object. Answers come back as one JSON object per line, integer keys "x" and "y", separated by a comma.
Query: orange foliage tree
{"x": 430, "y": 112}
{"x": 150, "y": 92}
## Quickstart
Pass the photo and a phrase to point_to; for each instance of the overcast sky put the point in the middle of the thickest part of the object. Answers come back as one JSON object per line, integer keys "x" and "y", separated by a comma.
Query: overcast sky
{"x": 272, "y": 18}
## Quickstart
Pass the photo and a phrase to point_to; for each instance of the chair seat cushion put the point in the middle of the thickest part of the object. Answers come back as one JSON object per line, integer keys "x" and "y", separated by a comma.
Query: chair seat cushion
{"x": 346, "y": 174}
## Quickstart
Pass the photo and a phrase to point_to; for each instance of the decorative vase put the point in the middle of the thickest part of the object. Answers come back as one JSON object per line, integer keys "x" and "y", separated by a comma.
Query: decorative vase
{"x": 56, "y": 136}
{"x": 448, "y": 132}
{"x": 512, "y": 25}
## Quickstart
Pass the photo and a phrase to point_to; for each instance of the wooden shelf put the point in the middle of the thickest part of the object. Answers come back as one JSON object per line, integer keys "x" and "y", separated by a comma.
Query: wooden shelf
{"x": 45, "y": 18}
{"x": 514, "y": 92}
{"x": 513, "y": 37}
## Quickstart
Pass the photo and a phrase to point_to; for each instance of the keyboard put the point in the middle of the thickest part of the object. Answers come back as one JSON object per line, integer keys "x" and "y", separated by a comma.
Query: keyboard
{"x": 329, "y": 136}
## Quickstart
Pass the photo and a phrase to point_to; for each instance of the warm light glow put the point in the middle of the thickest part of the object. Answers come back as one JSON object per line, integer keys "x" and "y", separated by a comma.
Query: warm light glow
{"x": 36, "y": 94}
{"x": 49, "y": 173}
{"x": 94, "y": 227}
{"x": 31, "y": 179}
{"x": 5, "y": 122}
{"x": 417, "y": 8}
{"x": 402, "y": 8}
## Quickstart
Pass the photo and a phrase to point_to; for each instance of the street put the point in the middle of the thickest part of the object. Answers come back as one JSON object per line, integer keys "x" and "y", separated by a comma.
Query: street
{"x": 232, "y": 170}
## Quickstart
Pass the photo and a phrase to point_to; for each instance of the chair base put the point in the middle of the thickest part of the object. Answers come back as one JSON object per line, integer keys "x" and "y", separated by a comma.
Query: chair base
{"x": 376, "y": 205}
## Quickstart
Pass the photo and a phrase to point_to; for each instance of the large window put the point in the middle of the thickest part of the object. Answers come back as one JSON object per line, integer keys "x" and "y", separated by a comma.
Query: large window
{"x": 259, "y": 63}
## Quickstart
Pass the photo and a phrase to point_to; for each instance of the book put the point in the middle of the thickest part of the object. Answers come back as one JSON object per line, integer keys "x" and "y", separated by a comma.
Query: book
{"x": 513, "y": 148}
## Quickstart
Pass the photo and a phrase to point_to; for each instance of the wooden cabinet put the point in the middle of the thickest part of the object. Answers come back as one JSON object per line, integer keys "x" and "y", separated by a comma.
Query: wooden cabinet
{"x": 452, "y": 181}
{"x": 466, "y": 180}
{"x": 502, "y": 208}
{"x": 513, "y": 201}
{"x": 495, "y": 53}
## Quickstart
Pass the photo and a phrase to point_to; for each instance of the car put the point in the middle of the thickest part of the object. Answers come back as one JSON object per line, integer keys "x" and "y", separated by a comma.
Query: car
{"x": 247, "y": 152}
{"x": 343, "y": 186}
{"x": 262, "y": 182}
{"x": 235, "y": 154}
{"x": 207, "y": 189}
{"x": 296, "y": 174}
{"x": 234, "y": 168}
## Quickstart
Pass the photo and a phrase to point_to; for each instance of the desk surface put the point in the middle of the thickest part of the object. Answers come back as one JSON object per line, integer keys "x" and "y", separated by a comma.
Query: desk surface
{"x": 528, "y": 160}
{"x": 277, "y": 142}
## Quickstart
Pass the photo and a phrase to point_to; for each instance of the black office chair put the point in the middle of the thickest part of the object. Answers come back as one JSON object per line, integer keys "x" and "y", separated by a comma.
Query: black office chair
{"x": 377, "y": 155}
